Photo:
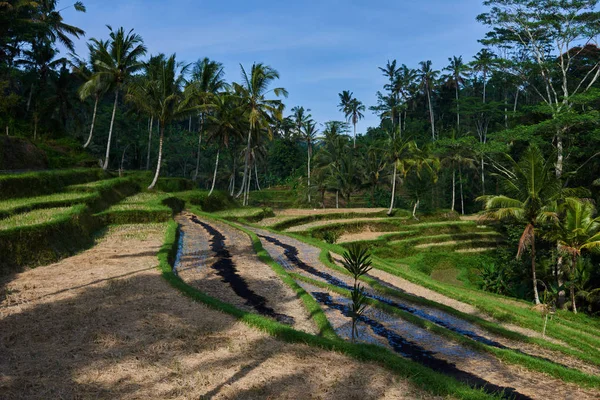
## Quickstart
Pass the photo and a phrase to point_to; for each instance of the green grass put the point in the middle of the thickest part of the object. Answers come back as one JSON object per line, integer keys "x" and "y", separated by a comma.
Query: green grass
{"x": 509, "y": 356}
{"x": 580, "y": 331}
{"x": 423, "y": 377}
{"x": 46, "y": 182}
{"x": 145, "y": 207}
{"x": 21, "y": 205}
{"x": 35, "y": 217}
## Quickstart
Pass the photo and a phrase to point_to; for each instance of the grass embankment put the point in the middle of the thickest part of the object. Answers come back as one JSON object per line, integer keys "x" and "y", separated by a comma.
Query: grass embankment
{"x": 46, "y": 182}
{"x": 48, "y": 233}
{"x": 143, "y": 207}
{"x": 425, "y": 378}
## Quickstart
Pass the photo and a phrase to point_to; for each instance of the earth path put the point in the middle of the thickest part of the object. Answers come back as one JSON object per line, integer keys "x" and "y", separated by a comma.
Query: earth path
{"x": 104, "y": 324}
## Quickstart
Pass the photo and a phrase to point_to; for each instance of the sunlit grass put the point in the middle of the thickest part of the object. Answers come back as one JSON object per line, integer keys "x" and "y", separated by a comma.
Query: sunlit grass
{"x": 11, "y": 204}
{"x": 34, "y": 217}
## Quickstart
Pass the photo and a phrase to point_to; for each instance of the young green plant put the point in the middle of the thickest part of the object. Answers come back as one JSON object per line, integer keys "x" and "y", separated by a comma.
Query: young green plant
{"x": 357, "y": 260}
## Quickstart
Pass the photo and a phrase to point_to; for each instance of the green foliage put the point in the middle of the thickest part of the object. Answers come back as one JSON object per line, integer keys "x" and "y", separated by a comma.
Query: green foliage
{"x": 218, "y": 201}
{"x": 357, "y": 260}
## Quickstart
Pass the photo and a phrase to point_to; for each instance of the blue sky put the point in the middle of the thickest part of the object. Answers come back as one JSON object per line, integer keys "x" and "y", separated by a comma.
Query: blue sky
{"x": 319, "y": 47}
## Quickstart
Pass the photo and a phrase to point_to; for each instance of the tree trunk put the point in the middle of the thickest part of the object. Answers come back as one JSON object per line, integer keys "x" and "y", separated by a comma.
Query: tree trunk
{"x": 6, "y": 130}
{"x": 233, "y": 176}
{"x": 29, "y": 97}
{"x": 247, "y": 161}
{"x": 160, "y": 148}
{"x": 198, "y": 150}
{"x": 256, "y": 175}
{"x": 35, "y": 125}
{"x": 457, "y": 110}
{"x": 482, "y": 176}
{"x": 414, "y": 212}
{"x": 93, "y": 121}
{"x": 431, "y": 116}
{"x": 462, "y": 199}
{"x": 516, "y": 101}
{"x": 190, "y": 124}
{"x": 393, "y": 190}
{"x": 110, "y": 131}
{"x": 354, "y": 134}
{"x": 215, "y": 173}
{"x": 559, "y": 154}
{"x": 536, "y": 296}
{"x": 149, "y": 143}
{"x": 337, "y": 199}
{"x": 453, "y": 188}
{"x": 308, "y": 176}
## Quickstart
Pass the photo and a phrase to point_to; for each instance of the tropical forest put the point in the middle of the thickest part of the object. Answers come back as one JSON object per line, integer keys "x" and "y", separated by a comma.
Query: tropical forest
{"x": 300, "y": 201}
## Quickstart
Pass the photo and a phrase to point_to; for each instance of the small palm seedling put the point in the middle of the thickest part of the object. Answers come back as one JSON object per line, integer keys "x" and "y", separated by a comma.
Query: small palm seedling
{"x": 357, "y": 260}
{"x": 359, "y": 305}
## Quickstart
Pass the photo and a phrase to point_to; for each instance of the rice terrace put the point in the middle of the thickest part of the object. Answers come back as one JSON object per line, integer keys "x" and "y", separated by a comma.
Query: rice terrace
{"x": 355, "y": 224}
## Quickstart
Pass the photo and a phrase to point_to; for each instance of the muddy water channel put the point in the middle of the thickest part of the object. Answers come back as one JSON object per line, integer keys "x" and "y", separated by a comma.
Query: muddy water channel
{"x": 476, "y": 368}
{"x": 219, "y": 261}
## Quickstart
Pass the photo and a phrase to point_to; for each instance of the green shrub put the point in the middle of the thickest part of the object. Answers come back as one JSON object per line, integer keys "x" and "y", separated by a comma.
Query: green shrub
{"x": 22, "y": 205}
{"x": 174, "y": 184}
{"x": 218, "y": 201}
{"x": 143, "y": 208}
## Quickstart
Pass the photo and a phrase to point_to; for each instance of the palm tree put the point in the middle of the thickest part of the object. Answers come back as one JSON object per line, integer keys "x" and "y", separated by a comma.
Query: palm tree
{"x": 456, "y": 154}
{"x": 164, "y": 98}
{"x": 224, "y": 120}
{"x": 428, "y": 77}
{"x": 578, "y": 229}
{"x": 399, "y": 152}
{"x": 93, "y": 86}
{"x": 457, "y": 69}
{"x": 207, "y": 80}
{"x": 310, "y": 134}
{"x": 261, "y": 111}
{"x": 391, "y": 72}
{"x": 116, "y": 60}
{"x": 352, "y": 109}
{"x": 483, "y": 62}
{"x": 531, "y": 193}
{"x": 300, "y": 116}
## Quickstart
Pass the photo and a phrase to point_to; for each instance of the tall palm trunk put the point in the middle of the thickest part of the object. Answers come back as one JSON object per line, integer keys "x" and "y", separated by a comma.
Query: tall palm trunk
{"x": 160, "y": 148}
{"x": 35, "y": 125}
{"x": 536, "y": 295}
{"x": 215, "y": 173}
{"x": 149, "y": 143}
{"x": 431, "y": 115}
{"x": 453, "y": 188}
{"x": 233, "y": 174}
{"x": 93, "y": 122}
{"x": 309, "y": 173}
{"x": 354, "y": 123}
{"x": 198, "y": 149}
{"x": 246, "y": 164}
{"x": 462, "y": 197}
{"x": 337, "y": 199}
{"x": 572, "y": 289}
{"x": 110, "y": 131}
{"x": 256, "y": 176}
{"x": 457, "y": 110}
{"x": 393, "y": 190}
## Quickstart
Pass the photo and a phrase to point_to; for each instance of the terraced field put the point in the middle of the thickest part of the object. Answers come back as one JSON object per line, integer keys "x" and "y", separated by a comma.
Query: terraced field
{"x": 426, "y": 324}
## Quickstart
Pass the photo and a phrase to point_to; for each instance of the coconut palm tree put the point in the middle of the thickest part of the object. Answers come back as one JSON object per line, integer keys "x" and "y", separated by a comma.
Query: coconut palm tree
{"x": 399, "y": 152}
{"x": 428, "y": 77}
{"x": 309, "y": 132}
{"x": 457, "y": 70}
{"x": 300, "y": 116}
{"x": 207, "y": 80}
{"x": 577, "y": 229}
{"x": 352, "y": 109}
{"x": 484, "y": 62}
{"x": 93, "y": 86}
{"x": 457, "y": 155}
{"x": 224, "y": 124}
{"x": 163, "y": 98}
{"x": 260, "y": 110}
{"x": 116, "y": 60}
{"x": 531, "y": 191}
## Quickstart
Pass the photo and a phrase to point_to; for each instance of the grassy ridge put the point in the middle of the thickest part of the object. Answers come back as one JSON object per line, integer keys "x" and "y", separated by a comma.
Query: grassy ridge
{"x": 144, "y": 207}
{"x": 45, "y": 182}
{"x": 423, "y": 377}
